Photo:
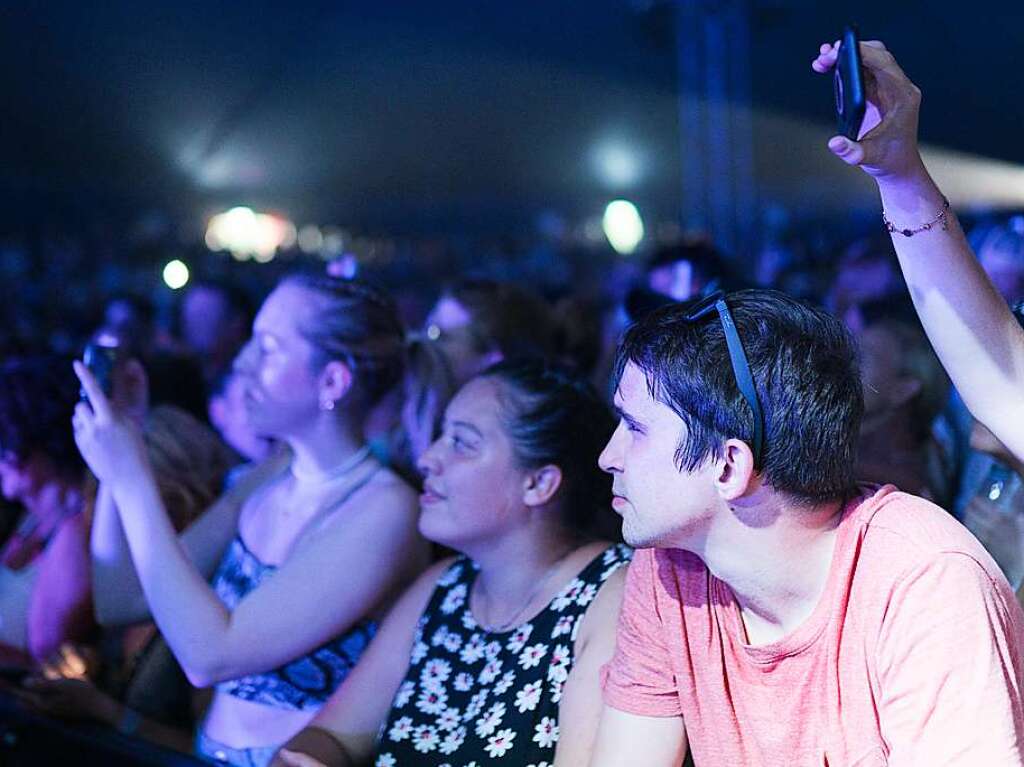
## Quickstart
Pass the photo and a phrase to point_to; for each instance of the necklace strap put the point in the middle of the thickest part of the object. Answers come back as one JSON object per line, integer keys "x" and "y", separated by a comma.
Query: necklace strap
{"x": 335, "y": 473}
{"x": 538, "y": 589}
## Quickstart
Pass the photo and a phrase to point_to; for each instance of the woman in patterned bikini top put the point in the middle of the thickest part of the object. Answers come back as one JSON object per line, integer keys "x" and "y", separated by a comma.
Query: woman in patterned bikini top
{"x": 493, "y": 656}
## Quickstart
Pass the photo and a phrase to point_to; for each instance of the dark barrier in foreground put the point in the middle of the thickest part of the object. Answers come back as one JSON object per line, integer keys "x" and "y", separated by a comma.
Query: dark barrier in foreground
{"x": 27, "y": 739}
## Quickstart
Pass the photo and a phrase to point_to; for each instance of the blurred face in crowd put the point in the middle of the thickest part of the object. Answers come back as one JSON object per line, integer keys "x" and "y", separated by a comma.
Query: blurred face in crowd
{"x": 229, "y": 415}
{"x": 449, "y": 324}
{"x": 22, "y": 479}
{"x": 473, "y": 488}
{"x": 885, "y": 385}
{"x": 204, "y": 315}
{"x": 660, "y": 505}
{"x": 676, "y": 280}
{"x": 280, "y": 387}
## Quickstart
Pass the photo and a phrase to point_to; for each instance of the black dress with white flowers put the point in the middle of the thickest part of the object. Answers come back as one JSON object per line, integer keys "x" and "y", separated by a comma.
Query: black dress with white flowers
{"x": 472, "y": 697}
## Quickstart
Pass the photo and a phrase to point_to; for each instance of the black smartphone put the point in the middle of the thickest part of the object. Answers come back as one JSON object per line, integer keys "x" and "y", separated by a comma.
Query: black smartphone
{"x": 100, "y": 360}
{"x": 848, "y": 83}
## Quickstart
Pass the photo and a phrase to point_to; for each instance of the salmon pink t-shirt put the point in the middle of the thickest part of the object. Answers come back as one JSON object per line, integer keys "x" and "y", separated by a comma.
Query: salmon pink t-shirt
{"x": 913, "y": 655}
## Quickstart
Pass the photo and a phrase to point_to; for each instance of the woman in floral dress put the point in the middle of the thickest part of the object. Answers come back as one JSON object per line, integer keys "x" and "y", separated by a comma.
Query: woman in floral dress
{"x": 493, "y": 656}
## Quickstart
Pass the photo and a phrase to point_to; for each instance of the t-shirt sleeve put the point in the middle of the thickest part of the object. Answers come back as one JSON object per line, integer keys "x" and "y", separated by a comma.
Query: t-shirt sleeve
{"x": 639, "y": 678}
{"x": 949, "y": 663}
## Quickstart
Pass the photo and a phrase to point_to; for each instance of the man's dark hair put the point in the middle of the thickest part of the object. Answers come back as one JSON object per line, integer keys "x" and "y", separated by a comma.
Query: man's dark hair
{"x": 805, "y": 368}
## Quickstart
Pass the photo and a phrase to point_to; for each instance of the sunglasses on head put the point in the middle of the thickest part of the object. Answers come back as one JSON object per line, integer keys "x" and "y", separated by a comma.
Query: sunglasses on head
{"x": 715, "y": 302}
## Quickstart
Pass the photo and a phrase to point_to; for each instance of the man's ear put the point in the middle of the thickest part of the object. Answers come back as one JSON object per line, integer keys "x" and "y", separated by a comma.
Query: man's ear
{"x": 541, "y": 484}
{"x": 737, "y": 475}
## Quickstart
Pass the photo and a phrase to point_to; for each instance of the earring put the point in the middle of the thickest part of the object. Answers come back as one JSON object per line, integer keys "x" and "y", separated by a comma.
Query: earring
{"x": 327, "y": 404}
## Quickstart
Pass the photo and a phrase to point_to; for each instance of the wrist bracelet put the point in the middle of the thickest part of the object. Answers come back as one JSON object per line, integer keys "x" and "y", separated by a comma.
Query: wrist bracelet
{"x": 940, "y": 218}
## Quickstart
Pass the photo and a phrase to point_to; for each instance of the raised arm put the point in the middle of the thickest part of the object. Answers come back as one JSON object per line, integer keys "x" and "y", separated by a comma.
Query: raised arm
{"x": 332, "y": 580}
{"x": 344, "y": 732}
{"x": 971, "y": 327}
{"x": 117, "y": 593}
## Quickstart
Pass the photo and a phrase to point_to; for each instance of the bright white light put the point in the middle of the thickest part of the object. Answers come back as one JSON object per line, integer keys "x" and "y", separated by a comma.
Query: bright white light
{"x": 617, "y": 164}
{"x": 623, "y": 226}
{"x": 176, "y": 274}
{"x": 248, "y": 234}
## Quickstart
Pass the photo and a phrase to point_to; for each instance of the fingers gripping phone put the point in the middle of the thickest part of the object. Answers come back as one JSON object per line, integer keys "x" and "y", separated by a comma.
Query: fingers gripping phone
{"x": 848, "y": 83}
{"x": 100, "y": 360}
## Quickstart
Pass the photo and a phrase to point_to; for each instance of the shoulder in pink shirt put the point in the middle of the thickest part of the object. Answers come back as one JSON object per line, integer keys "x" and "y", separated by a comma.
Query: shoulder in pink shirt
{"x": 913, "y": 654}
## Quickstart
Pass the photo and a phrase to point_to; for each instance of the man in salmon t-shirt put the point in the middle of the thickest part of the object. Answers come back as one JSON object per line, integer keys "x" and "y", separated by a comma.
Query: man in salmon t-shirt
{"x": 776, "y": 613}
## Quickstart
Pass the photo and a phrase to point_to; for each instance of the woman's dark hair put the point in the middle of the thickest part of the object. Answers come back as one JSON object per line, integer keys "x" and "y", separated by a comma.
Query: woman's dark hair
{"x": 805, "y": 368}
{"x": 358, "y": 324}
{"x": 506, "y": 317}
{"x": 555, "y": 417}
{"x": 37, "y": 399}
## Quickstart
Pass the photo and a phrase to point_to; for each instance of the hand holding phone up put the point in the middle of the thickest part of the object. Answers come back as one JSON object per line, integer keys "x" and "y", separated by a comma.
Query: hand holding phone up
{"x": 886, "y": 144}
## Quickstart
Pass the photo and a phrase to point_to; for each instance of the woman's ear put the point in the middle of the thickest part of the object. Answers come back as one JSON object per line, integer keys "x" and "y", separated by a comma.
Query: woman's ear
{"x": 335, "y": 383}
{"x": 541, "y": 484}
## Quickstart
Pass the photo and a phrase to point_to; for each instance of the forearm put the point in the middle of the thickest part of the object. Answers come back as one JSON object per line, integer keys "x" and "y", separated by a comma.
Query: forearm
{"x": 191, "y": 618}
{"x": 968, "y": 322}
{"x": 326, "y": 748}
{"x": 117, "y": 593}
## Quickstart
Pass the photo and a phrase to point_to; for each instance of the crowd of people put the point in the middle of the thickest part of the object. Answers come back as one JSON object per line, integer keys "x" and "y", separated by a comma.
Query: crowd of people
{"x": 750, "y": 519}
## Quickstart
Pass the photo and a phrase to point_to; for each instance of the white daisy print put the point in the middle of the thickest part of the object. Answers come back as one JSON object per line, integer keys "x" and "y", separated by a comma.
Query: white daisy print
{"x": 546, "y": 732}
{"x": 435, "y": 673}
{"x": 452, "y": 642}
{"x": 499, "y": 743}
{"x": 449, "y": 719}
{"x": 463, "y": 682}
{"x": 385, "y": 760}
{"x": 419, "y": 652}
{"x": 432, "y": 701}
{"x": 454, "y": 599}
{"x": 490, "y": 721}
{"x": 452, "y": 741}
{"x": 401, "y": 729}
{"x": 528, "y": 697}
{"x": 473, "y": 650}
{"x": 404, "y": 694}
{"x": 503, "y": 684}
{"x": 532, "y": 655}
{"x": 587, "y": 595}
{"x": 425, "y": 738}
{"x": 439, "y": 636}
{"x": 490, "y": 671}
{"x": 562, "y": 626}
{"x": 450, "y": 577}
{"x": 517, "y": 641}
{"x": 476, "y": 705}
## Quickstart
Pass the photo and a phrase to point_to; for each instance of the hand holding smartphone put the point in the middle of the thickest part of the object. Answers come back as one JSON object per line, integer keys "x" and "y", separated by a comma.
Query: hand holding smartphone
{"x": 848, "y": 85}
{"x": 100, "y": 359}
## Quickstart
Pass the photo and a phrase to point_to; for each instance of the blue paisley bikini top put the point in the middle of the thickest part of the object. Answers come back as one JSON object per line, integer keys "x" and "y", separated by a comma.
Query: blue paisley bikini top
{"x": 305, "y": 683}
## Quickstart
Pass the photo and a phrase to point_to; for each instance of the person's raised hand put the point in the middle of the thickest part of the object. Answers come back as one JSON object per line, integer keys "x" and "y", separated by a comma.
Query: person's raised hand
{"x": 887, "y": 143}
{"x": 109, "y": 441}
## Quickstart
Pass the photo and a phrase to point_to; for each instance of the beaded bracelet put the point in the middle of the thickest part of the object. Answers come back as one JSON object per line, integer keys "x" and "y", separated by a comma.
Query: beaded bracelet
{"x": 941, "y": 218}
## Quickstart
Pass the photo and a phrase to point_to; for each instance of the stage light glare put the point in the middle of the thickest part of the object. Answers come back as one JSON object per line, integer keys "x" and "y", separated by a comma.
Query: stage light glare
{"x": 310, "y": 239}
{"x": 176, "y": 274}
{"x": 248, "y": 234}
{"x": 623, "y": 226}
